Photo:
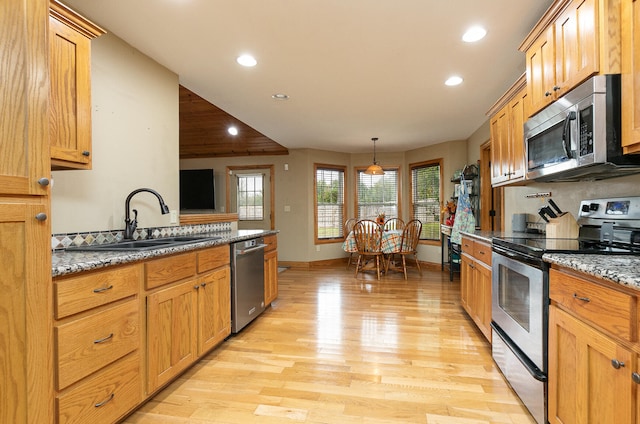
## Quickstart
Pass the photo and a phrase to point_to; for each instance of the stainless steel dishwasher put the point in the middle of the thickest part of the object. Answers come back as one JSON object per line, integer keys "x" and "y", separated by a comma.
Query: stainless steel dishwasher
{"x": 247, "y": 282}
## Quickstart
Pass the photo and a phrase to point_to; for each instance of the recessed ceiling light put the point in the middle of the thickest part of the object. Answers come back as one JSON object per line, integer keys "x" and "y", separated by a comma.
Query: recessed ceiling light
{"x": 454, "y": 80}
{"x": 474, "y": 34}
{"x": 247, "y": 60}
{"x": 232, "y": 130}
{"x": 280, "y": 96}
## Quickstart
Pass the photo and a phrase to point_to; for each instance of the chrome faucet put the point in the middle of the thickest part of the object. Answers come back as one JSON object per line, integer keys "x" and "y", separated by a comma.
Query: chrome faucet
{"x": 132, "y": 224}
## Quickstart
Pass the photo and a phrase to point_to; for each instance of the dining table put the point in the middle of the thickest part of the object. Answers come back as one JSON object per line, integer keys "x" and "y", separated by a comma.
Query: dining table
{"x": 391, "y": 242}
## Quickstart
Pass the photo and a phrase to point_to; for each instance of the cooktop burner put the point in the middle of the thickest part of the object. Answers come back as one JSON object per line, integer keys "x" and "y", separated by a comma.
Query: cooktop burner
{"x": 537, "y": 246}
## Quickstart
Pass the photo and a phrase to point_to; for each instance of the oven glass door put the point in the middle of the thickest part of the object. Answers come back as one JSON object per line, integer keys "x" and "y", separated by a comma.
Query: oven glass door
{"x": 518, "y": 305}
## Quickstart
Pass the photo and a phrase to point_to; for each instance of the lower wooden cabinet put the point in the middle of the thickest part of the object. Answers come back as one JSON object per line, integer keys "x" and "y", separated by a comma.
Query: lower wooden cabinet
{"x": 187, "y": 318}
{"x": 592, "y": 354}
{"x": 589, "y": 374}
{"x": 270, "y": 269}
{"x": 475, "y": 283}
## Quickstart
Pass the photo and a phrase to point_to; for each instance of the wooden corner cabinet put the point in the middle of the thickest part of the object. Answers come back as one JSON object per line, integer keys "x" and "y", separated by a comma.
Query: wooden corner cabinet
{"x": 475, "y": 283}
{"x": 270, "y": 269}
{"x": 70, "y": 38}
{"x": 593, "y": 350}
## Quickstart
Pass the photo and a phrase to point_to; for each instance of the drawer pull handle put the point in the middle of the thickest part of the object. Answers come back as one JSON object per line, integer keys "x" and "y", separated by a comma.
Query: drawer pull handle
{"x": 635, "y": 377}
{"x": 617, "y": 364}
{"x": 104, "y": 402}
{"x": 102, "y": 289}
{"x": 584, "y": 299}
{"x": 104, "y": 339}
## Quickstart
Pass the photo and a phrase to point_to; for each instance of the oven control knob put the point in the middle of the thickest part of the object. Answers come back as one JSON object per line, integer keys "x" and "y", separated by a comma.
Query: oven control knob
{"x": 585, "y": 208}
{"x": 593, "y": 207}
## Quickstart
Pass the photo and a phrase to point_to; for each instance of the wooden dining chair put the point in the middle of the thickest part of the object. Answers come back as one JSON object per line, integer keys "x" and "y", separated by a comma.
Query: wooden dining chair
{"x": 394, "y": 224}
{"x": 347, "y": 228}
{"x": 368, "y": 237}
{"x": 408, "y": 245}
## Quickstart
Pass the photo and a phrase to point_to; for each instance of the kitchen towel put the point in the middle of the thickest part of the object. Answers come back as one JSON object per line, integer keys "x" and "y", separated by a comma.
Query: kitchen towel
{"x": 465, "y": 221}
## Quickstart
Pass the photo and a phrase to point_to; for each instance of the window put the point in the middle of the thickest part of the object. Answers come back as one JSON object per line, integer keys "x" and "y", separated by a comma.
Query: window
{"x": 250, "y": 197}
{"x": 329, "y": 202}
{"x": 425, "y": 197}
{"x": 377, "y": 194}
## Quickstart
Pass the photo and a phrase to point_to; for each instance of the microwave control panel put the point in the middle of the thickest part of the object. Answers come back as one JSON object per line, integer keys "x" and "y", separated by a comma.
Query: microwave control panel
{"x": 586, "y": 131}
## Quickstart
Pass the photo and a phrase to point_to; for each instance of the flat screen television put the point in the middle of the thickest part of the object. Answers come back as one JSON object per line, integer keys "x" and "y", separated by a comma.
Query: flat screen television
{"x": 197, "y": 190}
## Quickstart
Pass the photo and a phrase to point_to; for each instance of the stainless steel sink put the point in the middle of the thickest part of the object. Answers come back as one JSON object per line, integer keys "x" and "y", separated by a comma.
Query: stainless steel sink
{"x": 147, "y": 244}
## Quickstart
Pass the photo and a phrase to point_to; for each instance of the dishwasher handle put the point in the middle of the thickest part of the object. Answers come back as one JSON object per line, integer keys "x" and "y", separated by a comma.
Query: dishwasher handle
{"x": 241, "y": 252}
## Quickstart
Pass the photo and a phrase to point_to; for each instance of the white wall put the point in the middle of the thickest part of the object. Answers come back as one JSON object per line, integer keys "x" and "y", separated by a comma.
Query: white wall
{"x": 135, "y": 144}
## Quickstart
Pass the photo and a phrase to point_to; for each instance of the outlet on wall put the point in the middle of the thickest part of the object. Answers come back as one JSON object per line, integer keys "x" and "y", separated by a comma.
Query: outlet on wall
{"x": 173, "y": 217}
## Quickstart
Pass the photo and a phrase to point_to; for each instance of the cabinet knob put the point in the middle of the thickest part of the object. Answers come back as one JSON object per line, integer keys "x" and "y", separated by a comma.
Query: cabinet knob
{"x": 635, "y": 377}
{"x": 43, "y": 181}
{"x": 85, "y": 153}
{"x": 547, "y": 93}
{"x": 203, "y": 285}
{"x": 556, "y": 87}
{"x": 41, "y": 216}
{"x": 617, "y": 364}
{"x": 196, "y": 287}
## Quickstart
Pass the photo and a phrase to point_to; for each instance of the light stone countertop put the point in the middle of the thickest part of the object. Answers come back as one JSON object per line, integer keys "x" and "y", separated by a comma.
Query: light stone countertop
{"x": 620, "y": 269}
{"x": 68, "y": 261}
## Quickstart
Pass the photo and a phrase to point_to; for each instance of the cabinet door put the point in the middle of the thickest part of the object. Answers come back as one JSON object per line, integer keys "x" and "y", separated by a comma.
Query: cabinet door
{"x": 584, "y": 385}
{"x": 25, "y": 311}
{"x": 499, "y": 146}
{"x": 517, "y": 116}
{"x": 171, "y": 332}
{"x": 23, "y": 97}
{"x": 576, "y": 37}
{"x": 482, "y": 283}
{"x": 214, "y": 309}
{"x": 70, "y": 99}
{"x": 466, "y": 283}
{"x": 270, "y": 276}
{"x": 631, "y": 76}
{"x": 541, "y": 71}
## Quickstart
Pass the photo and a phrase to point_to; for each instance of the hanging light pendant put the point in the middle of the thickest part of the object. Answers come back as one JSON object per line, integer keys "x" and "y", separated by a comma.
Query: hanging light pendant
{"x": 374, "y": 169}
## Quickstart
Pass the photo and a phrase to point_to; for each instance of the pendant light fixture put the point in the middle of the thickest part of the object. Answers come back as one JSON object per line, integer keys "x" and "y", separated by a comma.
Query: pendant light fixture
{"x": 374, "y": 169}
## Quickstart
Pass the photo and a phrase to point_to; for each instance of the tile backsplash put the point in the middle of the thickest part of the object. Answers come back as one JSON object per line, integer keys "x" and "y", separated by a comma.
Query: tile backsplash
{"x": 62, "y": 241}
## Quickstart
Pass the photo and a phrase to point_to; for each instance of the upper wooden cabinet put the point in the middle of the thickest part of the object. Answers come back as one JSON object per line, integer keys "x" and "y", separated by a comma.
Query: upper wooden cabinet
{"x": 70, "y": 38}
{"x": 507, "y": 135}
{"x": 23, "y": 98}
{"x": 631, "y": 76}
{"x": 574, "y": 40}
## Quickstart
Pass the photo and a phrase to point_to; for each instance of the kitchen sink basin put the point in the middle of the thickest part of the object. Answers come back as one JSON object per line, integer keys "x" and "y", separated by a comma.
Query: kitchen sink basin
{"x": 141, "y": 245}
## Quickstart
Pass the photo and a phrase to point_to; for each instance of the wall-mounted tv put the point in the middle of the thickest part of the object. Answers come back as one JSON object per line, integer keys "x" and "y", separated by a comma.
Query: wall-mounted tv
{"x": 197, "y": 190}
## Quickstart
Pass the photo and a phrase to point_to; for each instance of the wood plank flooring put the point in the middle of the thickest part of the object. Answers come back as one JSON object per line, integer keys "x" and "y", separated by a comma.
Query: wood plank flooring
{"x": 336, "y": 349}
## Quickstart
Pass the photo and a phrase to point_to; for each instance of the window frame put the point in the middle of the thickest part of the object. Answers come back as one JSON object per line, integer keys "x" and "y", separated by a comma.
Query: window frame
{"x": 397, "y": 169}
{"x": 425, "y": 164}
{"x": 329, "y": 167}
{"x": 262, "y": 190}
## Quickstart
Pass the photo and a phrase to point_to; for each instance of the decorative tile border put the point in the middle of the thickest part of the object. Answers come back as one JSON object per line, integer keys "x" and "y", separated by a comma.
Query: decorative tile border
{"x": 62, "y": 241}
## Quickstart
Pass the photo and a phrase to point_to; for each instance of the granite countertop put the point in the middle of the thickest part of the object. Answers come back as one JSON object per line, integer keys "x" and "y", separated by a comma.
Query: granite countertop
{"x": 68, "y": 261}
{"x": 620, "y": 269}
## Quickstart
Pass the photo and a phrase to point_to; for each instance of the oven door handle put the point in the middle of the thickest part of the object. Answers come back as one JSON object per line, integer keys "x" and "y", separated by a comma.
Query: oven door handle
{"x": 528, "y": 364}
{"x": 566, "y": 136}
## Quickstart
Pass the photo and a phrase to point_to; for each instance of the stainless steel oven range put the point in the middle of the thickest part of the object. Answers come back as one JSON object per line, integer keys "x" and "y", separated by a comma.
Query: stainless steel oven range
{"x": 520, "y": 290}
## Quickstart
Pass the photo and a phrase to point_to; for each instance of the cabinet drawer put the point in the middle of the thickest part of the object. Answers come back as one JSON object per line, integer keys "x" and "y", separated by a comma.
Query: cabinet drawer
{"x": 104, "y": 397}
{"x": 87, "y": 291}
{"x": 609, "y": 309}
{"x": 271, "y": 242}
{"x": 167, "y": 270}
{"x": 88, "y": 344}
{"x": 213, "y": 258}
{"x": 482, "y": 252}
{"x": 467, "y": 245}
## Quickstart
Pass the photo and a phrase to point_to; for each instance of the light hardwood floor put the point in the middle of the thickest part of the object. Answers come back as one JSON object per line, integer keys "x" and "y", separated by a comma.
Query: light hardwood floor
{"x": 336, "y": 349}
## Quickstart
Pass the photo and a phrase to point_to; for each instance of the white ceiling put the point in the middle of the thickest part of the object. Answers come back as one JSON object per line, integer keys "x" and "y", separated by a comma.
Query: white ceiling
{"x": 354, "y": 69}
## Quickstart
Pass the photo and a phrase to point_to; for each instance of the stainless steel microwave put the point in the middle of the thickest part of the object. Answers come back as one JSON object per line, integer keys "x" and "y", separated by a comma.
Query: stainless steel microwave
{"x": 578, "y": 136}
